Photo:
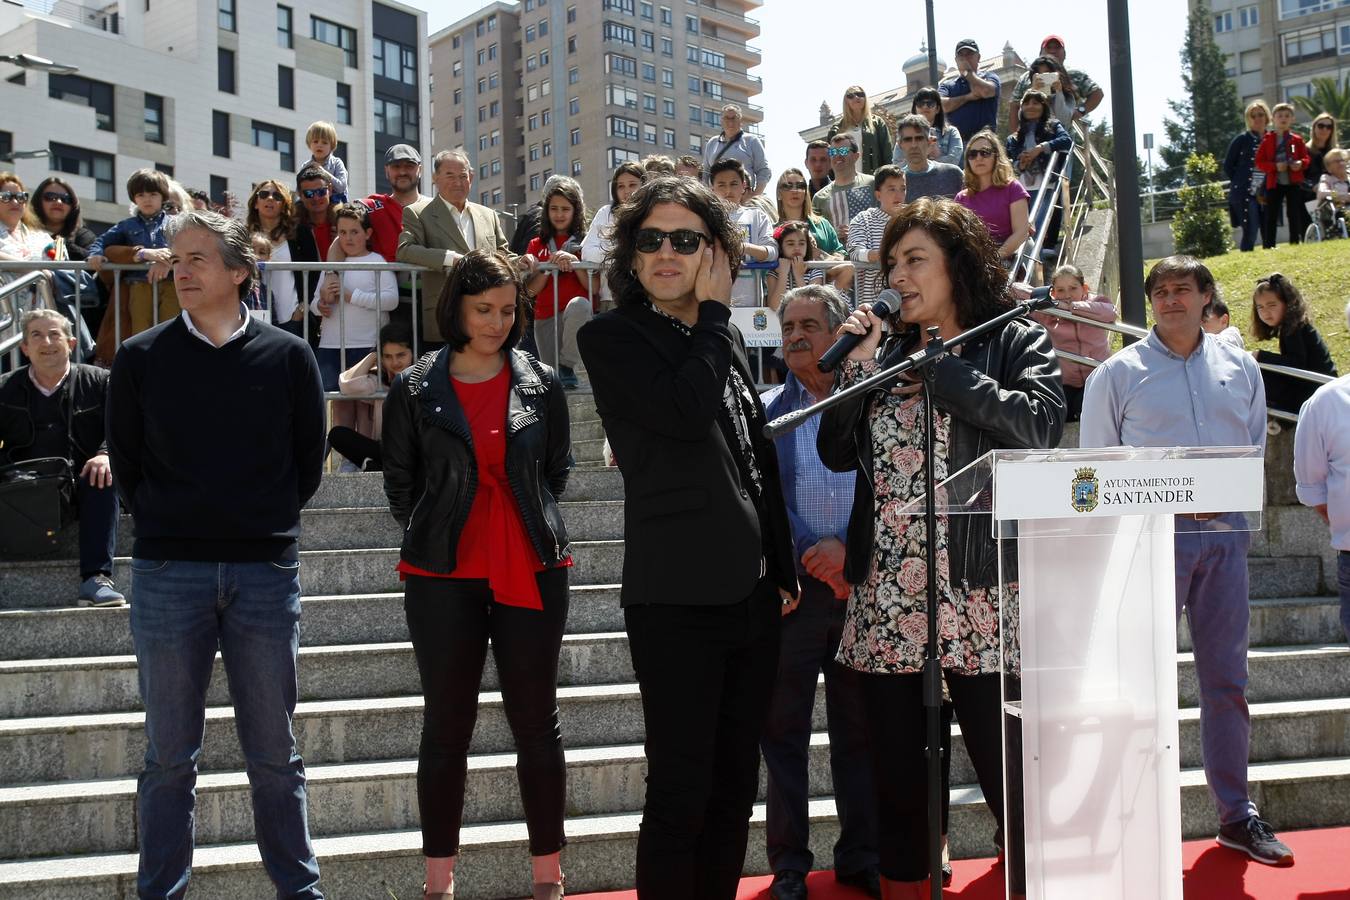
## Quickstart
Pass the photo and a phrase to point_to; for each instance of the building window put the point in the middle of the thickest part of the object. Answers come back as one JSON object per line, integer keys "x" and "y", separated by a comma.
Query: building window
{"x": 495, "y": 137}
{"x": 623, "y": 6}
{"x": 482, "y": 85}
{"x": 496, "y": 167}
{"x": 646, "y": 10}
{"x": 483, "y": 198}
{"x": 1290, "y": 9}
{"x": 225, "y": 14}
{"x": 95, "y": 94}
{"x": 543, "y": 58}
{"x": 492, "y": 23}
{"x": 648, "y": 72}
{"x": 666, "y": 18}
{"x": 482, "y": 56}
{"x": 695, "y": 84}
{"x": 573, "y": 106}
{"x": 335, "y": 35}
{"x": 88, "y": 163}
{"x": 648, "y": 133}
{"x": 220, "y": 133}
{"x": 534, "y": 153}
{"x": 713, "y": 89}
{"x": 618, "y": 157}
{"x": 574, "y": 137}
{"x": 285, "y": 87}
{"x": 344, "y": 104}
{"x": 621, "y": 34}
{"x": 495, "y": 108}
{"x": 532, "y": 122}
{"x": 695, "y": 115}
{"x": 668, "y": 77}
{"x": 531, "y": 63}
{"x": 532, "y": 93}
{"x": 712, "y": 117}
{"x": 1249, "y": 16}
{"x": 543, "y": 27}
{"x": 457, "y": 97}
{"x": 492, "y": 51}
{"x": 529, "y": 33}
{"x": 454, "y": 42}
{"x": 497, "y": 197}
{"x": 573, "y": 75}
{"x": 620, "y": 65}
{"x": 285, "y": 27}
{"x": 493, "y": 81}
{"x": 713, "y": 59}
{"x": 649, "y": 103}
{"x": 1313, "y": 43}
{"x": 576, "y": 168}
{"x": 669, "y": 138}
{"x": 271, "y": 137}
{"x": 667, "y": 47}
{"x": 398, "y": 118}
{"x": 482, "y": 142}
{"x": 482, "y": 113}
{"x": 1223, "y": 22}
{"x": 395, "y": 61}
{"x": 534, "y": 182}
{"x": 457, "y": 68}
{"x": 225, "y": 70}
{"x": 154, "y": 118}
{"x": 167, "y": 170}
{"x": 691, "y": 54}
{"x": 547, "y": 148}
{"x": 617, "y": 95}
{"x": 648, "y": 41}
{"x": 219, "y": 187}
{"x": 459, "y": 124}
{"x": 667, "y": 108}
{"x": 621, "y": 127}
{"x": 695, "y": 143}
{"x": 571, "y": 14}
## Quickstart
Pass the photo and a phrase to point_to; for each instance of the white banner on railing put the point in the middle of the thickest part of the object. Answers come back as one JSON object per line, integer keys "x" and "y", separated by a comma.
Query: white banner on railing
{"x": 1042, "y": 489}
{"x": 759, "y": 325}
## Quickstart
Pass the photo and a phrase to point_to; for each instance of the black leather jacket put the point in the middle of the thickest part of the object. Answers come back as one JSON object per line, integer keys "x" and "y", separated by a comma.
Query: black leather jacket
{"x": 431, "y": 474}
{"x": 1003, "y": 391}
{"x": 89, "y": 384}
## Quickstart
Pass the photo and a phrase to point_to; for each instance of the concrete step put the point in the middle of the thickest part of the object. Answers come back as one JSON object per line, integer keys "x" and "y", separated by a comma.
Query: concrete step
{"x": 588, "y": 451}
{"x": 494, "y": 857}
{"x": 1286, "y": 576}
{"x": 372, "y": 708}
{"x": 588, "y": 429}
{"x": 366, "y": 489}
{"x": 326, "y": 620}
{"x": 38, "y": 583}
{"x": 349, "y": 798}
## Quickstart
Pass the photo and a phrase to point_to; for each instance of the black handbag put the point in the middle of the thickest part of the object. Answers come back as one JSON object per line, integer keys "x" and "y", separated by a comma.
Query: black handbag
{"x": 37, "y": 500}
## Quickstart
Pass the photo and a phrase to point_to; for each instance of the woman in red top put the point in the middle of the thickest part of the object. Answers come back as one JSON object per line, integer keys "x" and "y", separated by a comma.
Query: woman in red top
{"x": 563, "y": 224}
{"x": 476, "y": 454}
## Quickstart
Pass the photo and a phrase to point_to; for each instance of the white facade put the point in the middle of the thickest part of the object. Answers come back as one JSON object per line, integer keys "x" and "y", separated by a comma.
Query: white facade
{"x": 171, "y": 49}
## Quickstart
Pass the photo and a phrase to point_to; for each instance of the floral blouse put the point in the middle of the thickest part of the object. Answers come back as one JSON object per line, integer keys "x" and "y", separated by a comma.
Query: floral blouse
{"x": 886, "y": 623}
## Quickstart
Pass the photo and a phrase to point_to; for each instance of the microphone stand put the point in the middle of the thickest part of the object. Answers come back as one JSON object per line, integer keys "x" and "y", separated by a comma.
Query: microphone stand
{"x": 922, "y": 360}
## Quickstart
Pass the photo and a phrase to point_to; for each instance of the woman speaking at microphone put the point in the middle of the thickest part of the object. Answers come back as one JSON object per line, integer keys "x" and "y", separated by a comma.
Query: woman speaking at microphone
{"x": 1001, "y": 389}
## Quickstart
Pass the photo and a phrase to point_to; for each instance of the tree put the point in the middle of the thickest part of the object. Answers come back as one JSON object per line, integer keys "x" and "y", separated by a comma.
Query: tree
{"x": 1200, "y": 227}
{"x": 1329, "y": 97}
{"x": 1210, "y": 116}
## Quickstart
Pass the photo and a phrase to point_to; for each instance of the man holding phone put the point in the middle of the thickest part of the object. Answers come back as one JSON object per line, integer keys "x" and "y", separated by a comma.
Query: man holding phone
{"x": 1088, "y": 92}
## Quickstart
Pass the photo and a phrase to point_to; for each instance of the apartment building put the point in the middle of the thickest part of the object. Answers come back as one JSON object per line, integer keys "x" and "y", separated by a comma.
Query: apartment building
{"x": 217, "y": 93}
{"x": 1275, "y": 48}
{"x": 535, "y": 87}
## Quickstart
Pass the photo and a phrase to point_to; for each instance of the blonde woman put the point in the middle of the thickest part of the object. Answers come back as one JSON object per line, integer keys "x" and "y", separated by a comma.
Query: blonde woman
{"x": 1321, "y": 138}
{"x": 1239, "y": 163}
{"x": 869, "y": 130}
{"x": 994, "y": 194}
{"x": 793, "y": 199}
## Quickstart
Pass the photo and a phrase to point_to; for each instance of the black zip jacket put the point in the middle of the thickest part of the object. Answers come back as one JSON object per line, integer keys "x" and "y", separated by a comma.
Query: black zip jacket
{"x": 431, "y": 474}
{"x": 1003, "y": 392}
{"x": 87, "y": 384}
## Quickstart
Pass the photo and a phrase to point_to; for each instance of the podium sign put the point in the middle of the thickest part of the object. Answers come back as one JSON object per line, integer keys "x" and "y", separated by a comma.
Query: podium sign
{"x": 759, "y": 326}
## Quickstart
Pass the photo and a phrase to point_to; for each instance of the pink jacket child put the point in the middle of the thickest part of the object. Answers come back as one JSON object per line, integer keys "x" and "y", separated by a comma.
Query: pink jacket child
{"x": 1072, "y": 295}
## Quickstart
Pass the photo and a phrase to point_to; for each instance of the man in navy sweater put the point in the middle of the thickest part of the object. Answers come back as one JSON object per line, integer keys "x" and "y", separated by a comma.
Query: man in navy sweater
{"x": 216, "y": 437}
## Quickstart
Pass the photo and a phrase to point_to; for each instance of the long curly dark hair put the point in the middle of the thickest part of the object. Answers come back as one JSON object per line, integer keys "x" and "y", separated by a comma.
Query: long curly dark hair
{"x": 1295, "y": 309}
{"x": 628, "y": 218}
{"x": 979, "y": 281}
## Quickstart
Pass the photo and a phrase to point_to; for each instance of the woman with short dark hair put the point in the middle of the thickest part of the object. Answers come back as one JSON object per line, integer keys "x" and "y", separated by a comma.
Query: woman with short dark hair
{"x": 999, "y": 390}
{"x": 476, "y": 454}
{"x": 708, "y": 564}
{"x": 949, "y": 148}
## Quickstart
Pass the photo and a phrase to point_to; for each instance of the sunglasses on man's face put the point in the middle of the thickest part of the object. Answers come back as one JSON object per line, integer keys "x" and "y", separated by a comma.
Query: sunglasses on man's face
{"x": 277, "y": 196}
{"x": 840, "y": 151}
{"x": 311, "y": 193}
{"x": 13, "y": 196}
{"x": 980, "y": 152}
{"x": 54, "y": 197}
{"x": 683, "y": 241}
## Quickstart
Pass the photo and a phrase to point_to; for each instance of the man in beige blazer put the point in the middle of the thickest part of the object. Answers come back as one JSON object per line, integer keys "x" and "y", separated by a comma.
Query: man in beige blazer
{"x": 439, "y": 230}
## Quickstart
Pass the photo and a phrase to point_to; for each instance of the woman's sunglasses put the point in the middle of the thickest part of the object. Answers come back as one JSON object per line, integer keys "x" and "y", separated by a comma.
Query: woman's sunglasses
{"x": 855, "y": 95}
{"x": 13, "y": 196}
{"x": 980, "y": 152}
{"x": 792, "y": 186}
{"x": 55, "y": 197}
{"x": 926, "y": 101}
{"x": 271, "y": 195}
{"x": 683, "y": 241}
{"x": 1326, "y": 125}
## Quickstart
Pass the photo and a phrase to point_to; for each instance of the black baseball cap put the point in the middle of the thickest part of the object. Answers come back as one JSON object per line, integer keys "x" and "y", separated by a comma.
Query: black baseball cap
{"x": 967, "y": 44}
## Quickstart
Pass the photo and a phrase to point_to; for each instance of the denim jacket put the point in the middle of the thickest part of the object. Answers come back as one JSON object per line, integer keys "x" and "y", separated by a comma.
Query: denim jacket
{"x": 134, "y": 231}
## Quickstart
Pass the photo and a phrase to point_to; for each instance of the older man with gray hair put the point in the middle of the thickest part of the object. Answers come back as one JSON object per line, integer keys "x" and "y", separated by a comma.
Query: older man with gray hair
{"x": 216, "y": 436}
{"x": 734, "y": 143}
{"x": 818, "y": 502}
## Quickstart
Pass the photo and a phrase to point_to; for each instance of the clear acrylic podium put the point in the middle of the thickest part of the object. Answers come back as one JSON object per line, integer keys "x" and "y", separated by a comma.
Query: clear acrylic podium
{"x": 1088, "y": 634}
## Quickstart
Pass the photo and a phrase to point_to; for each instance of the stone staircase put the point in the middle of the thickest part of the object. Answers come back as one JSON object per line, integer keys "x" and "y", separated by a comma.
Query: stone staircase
{"x": 71, "y": 728}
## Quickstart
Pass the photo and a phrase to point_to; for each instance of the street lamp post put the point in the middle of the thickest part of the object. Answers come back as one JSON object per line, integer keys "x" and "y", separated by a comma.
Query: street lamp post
{"x": 1152, "y": 197}
{"x": 38, "y": 63}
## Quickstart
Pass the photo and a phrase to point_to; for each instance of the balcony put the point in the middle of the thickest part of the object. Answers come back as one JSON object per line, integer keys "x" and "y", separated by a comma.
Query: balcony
{"x": 727, "y": 18}
{"x": 746, "y": 53}
{"x": 738, "y": 80}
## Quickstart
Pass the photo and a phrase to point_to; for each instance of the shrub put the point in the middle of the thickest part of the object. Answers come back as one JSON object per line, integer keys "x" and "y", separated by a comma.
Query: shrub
{"x": 1200, "y": 228}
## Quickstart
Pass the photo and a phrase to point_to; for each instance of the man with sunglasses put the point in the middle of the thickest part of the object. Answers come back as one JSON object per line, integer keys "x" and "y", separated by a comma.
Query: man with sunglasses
{"x": 734, "y": 143}
{"x": 708, "y": 568}
{"x": 853, "y": 188}
{"x": 970, "y": 97}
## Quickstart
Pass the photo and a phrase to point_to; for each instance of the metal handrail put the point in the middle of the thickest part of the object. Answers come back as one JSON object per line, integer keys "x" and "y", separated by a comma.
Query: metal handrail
{"x": 9, "y": 295}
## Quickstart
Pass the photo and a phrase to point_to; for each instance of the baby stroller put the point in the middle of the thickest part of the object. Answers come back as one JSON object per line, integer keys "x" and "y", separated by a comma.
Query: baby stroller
{"x": 1327, "y": 221}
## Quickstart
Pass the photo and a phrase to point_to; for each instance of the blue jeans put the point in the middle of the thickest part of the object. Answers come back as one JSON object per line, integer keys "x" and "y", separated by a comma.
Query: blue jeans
{"x": 330, "y": 363}
{"x": 98, "y": 528}
{"x": 182, "y": 613}
{"x": 1211, "y": 585}
{"x": 1343, "y": 582}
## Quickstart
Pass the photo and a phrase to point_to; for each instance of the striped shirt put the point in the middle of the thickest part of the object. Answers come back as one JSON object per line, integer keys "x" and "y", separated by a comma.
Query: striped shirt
{"x": 864, "y": 234}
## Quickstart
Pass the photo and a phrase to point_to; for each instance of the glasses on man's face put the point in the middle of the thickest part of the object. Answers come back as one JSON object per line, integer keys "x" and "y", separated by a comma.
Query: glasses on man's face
{"x": 980, "y": 152}
{"x": 311, "y": 193}
{"x": 914, "y": 139}
{"x": 683, "y": 241}
{"x": 792, "y": 186}
{"x": 277, "y": 196}
{"x": 13, "y": 196}
{"x": 840, "y": 151}
{"x": 55, "y": 197}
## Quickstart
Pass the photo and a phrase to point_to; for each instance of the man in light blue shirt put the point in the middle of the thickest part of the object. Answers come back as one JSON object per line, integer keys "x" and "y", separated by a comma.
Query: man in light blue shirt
{"x": 819, "y": 502}
{"x": 1322, "y": 471}
{"x": 1181, "y": 387}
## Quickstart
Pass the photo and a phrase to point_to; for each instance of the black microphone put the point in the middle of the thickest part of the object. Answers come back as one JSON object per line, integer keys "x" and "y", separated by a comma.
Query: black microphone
{"x": 886, "y": 304}
{"x": 1040, "y": 298}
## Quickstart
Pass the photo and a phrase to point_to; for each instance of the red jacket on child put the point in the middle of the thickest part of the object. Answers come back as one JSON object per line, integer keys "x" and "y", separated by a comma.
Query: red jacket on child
{"x": 1297, "y": 152}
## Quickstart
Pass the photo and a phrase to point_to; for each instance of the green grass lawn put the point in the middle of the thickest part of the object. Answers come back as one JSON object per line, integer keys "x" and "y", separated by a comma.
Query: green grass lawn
{"x": 1322, "y": 273}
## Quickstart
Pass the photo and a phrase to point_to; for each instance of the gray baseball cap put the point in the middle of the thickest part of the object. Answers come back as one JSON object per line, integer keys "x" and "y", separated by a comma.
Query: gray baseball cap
{"x": 401, "y": 152}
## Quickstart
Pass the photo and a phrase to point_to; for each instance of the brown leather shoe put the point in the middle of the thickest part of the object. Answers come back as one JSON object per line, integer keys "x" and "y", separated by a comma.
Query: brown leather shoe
{"x": 446, "y": 895}
{"x": 548, "y": 891}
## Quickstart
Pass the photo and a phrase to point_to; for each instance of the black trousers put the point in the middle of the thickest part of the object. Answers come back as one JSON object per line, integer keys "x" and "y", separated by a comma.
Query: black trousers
{"x": 450, "y": 621}
{"x": 1291, "y": 195}
{"x": 809, "y": 643}
{"x": 356, "y": 447}
{"x": 706, "y": 674}
{"x": 897, "y": 732}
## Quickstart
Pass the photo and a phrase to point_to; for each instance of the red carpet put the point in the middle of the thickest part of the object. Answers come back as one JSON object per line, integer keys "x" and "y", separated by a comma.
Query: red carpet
{"x": 1321, "y": 872}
